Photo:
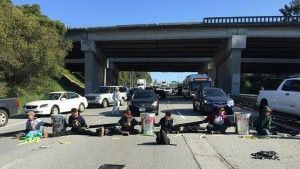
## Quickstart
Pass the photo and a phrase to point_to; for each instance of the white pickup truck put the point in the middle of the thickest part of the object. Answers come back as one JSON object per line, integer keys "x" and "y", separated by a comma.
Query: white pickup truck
{"x": 285, "y": 99}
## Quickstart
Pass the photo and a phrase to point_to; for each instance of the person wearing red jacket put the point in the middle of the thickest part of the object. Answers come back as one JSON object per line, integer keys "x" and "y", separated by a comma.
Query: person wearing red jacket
{"x": 217, "y": 121}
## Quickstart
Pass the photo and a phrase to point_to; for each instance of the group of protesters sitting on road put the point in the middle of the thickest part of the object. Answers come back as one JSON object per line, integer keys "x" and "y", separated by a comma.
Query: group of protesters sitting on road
{"x": 217, "y": 123}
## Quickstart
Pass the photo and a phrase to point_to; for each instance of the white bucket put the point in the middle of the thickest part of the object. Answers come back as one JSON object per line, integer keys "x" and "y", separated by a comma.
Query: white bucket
{"x": 148, "y": 120}
{"x": 242, "y": 121}
{"x": 58, "y": 123}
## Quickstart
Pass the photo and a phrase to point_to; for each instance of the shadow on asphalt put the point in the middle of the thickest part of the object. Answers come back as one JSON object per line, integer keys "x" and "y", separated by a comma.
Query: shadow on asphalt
{"x": 155, "y": 144}
{"x": 183, "y": 112}
{"x": 175, "y": 100}
{"x": 20, "y": 116}
{"x": 10, "y": 134}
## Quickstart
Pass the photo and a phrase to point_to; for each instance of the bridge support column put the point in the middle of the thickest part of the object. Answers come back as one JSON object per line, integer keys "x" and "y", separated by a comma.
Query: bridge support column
{"x": 229, "y": 71}
{"x": 112, "y": 74}
{"x": 112, "y": 77}
{"x": 211, "y": 72}
{"x": 94, "y": 66}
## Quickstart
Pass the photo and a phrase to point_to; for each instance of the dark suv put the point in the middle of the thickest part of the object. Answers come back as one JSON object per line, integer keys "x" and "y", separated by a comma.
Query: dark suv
{"x": 143, "y": 101}
{"x": 207, "y": 99}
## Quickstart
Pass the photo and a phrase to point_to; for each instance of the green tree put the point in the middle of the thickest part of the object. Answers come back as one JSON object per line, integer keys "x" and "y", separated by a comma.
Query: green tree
{"x": 32, "y": 47}
{"x": 291, "y": 9}
{"x": 124, "y": 77}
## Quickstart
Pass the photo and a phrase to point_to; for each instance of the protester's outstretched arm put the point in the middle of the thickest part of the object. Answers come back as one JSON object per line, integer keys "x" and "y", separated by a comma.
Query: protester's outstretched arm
{"x": 84, "y": 123}
{"x": 159, "y": 123}
{"x": 47, "y": 124}
{"x": 134, "y": 122}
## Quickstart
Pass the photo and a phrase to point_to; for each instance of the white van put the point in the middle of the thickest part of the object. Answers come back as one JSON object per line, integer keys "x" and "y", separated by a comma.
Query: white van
{"x": 103, "y": 96}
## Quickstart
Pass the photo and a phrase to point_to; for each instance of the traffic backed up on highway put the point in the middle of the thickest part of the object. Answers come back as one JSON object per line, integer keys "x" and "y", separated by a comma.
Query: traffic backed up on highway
{"x": 57, "y": 102}
{"x": 207, "y": 99}
{"x": 103, "y": 96}
{"x": 143, "y": 101}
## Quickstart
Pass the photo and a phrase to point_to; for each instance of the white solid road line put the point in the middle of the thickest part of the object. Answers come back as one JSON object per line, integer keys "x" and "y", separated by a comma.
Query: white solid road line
{"x": 180, "y": 115}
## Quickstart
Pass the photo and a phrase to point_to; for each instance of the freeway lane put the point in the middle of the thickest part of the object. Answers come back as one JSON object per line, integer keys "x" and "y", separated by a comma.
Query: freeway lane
{"x": 195, "y": 150}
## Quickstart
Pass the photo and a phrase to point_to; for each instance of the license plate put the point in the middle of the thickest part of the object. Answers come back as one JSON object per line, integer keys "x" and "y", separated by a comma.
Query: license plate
{"x": 142, "y": 109}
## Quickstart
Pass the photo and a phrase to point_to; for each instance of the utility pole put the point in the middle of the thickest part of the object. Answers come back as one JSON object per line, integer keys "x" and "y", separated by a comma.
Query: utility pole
{"x": 130, "y": 74}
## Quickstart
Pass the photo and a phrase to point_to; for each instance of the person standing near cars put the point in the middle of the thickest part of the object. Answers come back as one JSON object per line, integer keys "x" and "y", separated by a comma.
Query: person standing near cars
{"x": 117, "y": 101}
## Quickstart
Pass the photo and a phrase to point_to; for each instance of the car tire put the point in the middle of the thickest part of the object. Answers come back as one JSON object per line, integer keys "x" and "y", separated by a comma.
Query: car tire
{"x": 55, "y": 110}
{"x": 104, "y": 103}
{"x": 81, "y": 107}
{"x": 122, "y": 102}
{"x": 3, "y": 118}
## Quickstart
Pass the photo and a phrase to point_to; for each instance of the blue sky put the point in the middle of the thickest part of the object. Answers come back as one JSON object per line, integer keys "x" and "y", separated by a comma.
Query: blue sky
{"x": 86, "y": 13}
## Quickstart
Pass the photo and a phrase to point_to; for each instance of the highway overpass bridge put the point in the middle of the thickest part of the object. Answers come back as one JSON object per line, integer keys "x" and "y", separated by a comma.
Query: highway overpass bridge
{"x": 223, "y": 47}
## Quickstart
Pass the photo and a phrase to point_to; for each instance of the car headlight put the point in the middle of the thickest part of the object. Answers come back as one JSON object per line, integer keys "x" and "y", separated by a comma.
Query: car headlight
{"x": 206, "y": 102}
{"x": 44, "y": 105}
{"x": 154, "y": 104}
{"x": 230, "y": 103}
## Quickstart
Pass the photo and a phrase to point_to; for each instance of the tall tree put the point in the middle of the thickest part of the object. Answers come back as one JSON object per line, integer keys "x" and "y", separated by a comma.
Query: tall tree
{"x": 291, "y": 9}
{"x": 124, "y": 77}
{"x": 32, "y": 46}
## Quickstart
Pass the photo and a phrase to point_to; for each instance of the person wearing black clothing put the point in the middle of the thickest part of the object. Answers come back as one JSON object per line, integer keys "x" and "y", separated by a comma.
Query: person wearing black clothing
{"x": 128, "y": 122}
{"x": 78, "y": 124}
{"x": 166, "y": 123}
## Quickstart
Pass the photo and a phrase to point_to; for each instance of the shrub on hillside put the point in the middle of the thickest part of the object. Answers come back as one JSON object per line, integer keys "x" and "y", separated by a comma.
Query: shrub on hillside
{"x": 32, "y": 47}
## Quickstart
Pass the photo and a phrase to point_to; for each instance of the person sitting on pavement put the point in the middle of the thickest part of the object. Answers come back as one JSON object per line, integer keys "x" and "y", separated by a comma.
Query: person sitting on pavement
{"x": 78, "y": 124}
{"x": 217, "y": 121}
{"x": 264, "y": 121}
{"x": 127, "y": 123}
{"x": 166, "y": 123}
{"x": 34, "y": 126}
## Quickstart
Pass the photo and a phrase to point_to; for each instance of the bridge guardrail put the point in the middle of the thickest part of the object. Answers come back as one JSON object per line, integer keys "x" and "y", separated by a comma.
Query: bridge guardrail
{"x": 253, "y": 20}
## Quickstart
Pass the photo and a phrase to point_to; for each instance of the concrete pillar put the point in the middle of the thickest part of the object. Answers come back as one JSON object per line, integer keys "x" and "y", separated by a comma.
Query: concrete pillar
{"x": 94, "y": 69}
{"x": 235, "y": 71}
{"x": 112, "y": 74}
{"x": 229, "y": 71}
{"x": 211, "y": 72}
{"x": 110, "y": 77}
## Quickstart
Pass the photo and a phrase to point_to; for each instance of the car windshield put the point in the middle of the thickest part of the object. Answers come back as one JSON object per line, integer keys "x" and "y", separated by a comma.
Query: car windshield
{"x": 195, "y": 85}
{"x": 143, "y": 95}
{"x": 101, "y": 90}
{"x": 213, "y": 93}
{"x": 51, "y": 96}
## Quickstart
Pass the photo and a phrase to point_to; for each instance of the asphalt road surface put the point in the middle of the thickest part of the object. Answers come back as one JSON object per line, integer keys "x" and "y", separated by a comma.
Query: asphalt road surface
{"x": 189, "y": 150}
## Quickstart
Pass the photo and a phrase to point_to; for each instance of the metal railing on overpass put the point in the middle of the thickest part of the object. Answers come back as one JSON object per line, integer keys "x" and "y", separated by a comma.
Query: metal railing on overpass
{"x": 253, "y": 20}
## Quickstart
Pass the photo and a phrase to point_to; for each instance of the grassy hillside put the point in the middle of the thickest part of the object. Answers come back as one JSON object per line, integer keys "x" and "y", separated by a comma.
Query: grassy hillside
{"x": 64, "y": 81}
